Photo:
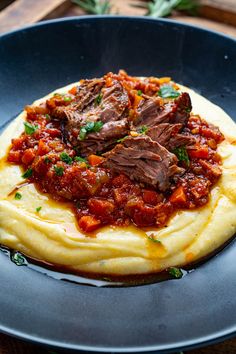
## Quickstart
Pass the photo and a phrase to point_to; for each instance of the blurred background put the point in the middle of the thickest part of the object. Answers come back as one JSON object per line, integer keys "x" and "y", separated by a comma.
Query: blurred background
{"x": 219, "y": 15}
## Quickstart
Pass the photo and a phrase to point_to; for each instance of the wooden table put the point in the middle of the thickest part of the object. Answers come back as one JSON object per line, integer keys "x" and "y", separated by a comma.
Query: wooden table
{"x": 215, "y": 14}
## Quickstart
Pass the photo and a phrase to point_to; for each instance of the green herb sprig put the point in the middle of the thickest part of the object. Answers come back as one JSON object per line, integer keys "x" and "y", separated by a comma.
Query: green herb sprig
{"x": 175, "y": 272}
{"x": 143, "y": 129}
{"x": 30, "y": 128}
{"x": 182, "y": 154}
{"x": 28, "y": 173}
{"x": 164, "y": 8}
{"x": 95, "y": 7}
{"x": 18, "y": 196}
{"x": 59, "y": 170}
{"x": 89, "y": 128}
{"x": 168, "y": 91}
{"x": 66, "y": 158}
{"x": 18, "y": 259}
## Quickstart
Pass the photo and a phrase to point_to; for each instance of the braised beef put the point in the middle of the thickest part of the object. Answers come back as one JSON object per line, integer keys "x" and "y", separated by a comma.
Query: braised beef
{"x": 151, "y": 112}
{"x": 168, "y": 136}
{"x": 105, "y": 138}
{"x": 143, "y": 160}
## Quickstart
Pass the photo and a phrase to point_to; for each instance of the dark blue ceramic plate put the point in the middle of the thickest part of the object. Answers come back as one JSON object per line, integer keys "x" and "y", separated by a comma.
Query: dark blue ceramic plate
{"x": 169, "y": 316}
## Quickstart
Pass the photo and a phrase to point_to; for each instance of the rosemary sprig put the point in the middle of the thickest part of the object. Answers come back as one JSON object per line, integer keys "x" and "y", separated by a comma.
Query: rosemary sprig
{"x": 96, "y": 7}
{"x": 164, "y": 8}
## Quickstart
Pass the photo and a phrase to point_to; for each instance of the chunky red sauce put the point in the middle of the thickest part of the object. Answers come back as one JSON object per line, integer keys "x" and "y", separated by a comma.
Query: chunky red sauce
{"x": 101, "y": 197}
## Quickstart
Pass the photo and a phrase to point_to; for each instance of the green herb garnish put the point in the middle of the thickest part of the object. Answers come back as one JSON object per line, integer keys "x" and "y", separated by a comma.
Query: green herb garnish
{"x": 96, "y": 7}
{"x": 67, "y": 98}
{"x": 38, "y": 209}
{"x": 59, "y": 170}
{"x": 168, "y": 91}
{"x": 139, "y": 93}
{"x": 98, "y": 99}
{"x": 89, "y": 128}
{"x": 47, "y": 160}
{"x": 28, "y": 173}
{"x": 80, "y": 159}
{"x": 18, "y": 259}
{"x": 47, "y": 116}
{"x": 143, "y": 129}
{"x": 66, "y": 158}
{"x": 18, "y": 196}
{"x": 182, "y": 154}
{"x": 29, "y": 128}
{"x": 163, "y": 8}
{"x": 122, "y": 139}
{"x": 175, "y": 272}
{"x": 153, "y": 239}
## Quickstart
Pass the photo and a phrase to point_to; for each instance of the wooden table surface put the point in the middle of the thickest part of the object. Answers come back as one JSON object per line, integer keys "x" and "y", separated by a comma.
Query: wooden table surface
{"x": 215, "y": 14}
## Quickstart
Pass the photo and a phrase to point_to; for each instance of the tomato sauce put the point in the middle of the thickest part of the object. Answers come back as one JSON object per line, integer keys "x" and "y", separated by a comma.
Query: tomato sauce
{"x": 99, "y": 196}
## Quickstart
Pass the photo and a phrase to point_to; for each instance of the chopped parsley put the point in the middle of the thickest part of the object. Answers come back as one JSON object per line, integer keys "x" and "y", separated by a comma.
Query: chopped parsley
{"x": 150, "y": 238}
{"x": 59, "y": 170}
{"x": 139, "y": 93}
{"x": 66, "y": 158}
{"x": 168, "y": 91}
{"x": 47, "y": 160}
{"x": 143, "y": 129}
{"x": 38, "y": 209}
{"x": 89, "y": 128}
{"x": 47, "y": 116}
{"x": 18, "y": 196}
{"x": 28, "y": 173}
{"x": 80, "y": 159}
{"x": 98, "y": 99}
{"x": 18, "y": 259}
{"x": 30, "y": 128}
{"x": 122, "y": 139}
{"x": 67, "y": 98}
{"x": 182, "y": 154}
{"x": 175, "y": 272}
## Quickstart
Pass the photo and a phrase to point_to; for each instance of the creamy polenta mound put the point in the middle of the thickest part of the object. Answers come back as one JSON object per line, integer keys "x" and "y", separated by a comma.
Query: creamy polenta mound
{"x": 162, "y": 223}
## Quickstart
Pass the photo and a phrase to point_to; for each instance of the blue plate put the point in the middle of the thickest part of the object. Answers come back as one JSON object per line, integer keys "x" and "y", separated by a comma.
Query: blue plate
{"x": 169, "y": 316}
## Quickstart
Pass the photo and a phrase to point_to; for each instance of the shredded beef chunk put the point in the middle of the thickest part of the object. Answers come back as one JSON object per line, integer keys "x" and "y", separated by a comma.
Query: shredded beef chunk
{"x": 95, "y": 103}
{"x": 168, "y": 136}
{"x": 143, "y": 160}
{"x": 151, "y": 112}
{"x": 104, "y": 139}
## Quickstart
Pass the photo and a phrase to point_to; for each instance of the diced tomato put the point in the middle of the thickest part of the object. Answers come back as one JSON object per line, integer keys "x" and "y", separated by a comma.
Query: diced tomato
{"x": 18, "y": 142}
{"x": 54, "y": 133}
{"x": 94, "y": 160}
{"x": 43, "y": 148}
{"x": 109, "y": 82}
{"x": 201, "y": 153}
{"x": 28, "y": 156}
{"x": 178, "y": 196}
{"x": 144, "y": 216}
{"x": 150, "y": 197}
{"x": 14, "y": 156}
{"x": 120, "y": 196}
{"x": 100, "y": 207}
{"x": 121, "y": 181}
{"x": 88, "y": 223}
{"x": 73, "y": 90}
{"x": 212, "y": 133}
{"x": 212, "y": 170}
{"x": 137, "y": 99}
